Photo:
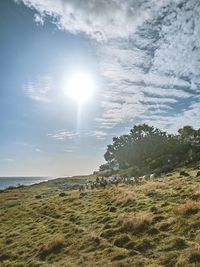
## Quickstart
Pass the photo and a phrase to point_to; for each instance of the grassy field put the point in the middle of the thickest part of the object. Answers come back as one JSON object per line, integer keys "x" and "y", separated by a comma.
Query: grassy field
{"x": 155, "y": 223}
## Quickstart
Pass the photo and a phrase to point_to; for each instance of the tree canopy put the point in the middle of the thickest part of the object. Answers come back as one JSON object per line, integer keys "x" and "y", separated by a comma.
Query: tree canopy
{"x": 149, "y": 148}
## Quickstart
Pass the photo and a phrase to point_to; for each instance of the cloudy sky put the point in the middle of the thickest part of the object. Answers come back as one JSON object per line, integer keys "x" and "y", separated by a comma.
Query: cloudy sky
{"x": 143, "y": 55}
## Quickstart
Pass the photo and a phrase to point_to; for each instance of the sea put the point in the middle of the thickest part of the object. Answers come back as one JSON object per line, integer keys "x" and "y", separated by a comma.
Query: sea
{"x": 6, "y": 182}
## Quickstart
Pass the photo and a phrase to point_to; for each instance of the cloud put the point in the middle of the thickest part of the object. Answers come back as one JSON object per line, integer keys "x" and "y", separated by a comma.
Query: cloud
{"x": 38, "y": 19}
{"x": 8, "y": 159}
{"x": 98, "y": 19}
{"x": 100, "y": 135}
{"x": 38, "y": 150}
{"x": 149, "y": 56}
{"x": 63, "y": 135}
{"x": 69, "y": 150}
{"x": 175, "y": 121}
{"x": 71, "y": 135}
{"x": 39, "y": 89}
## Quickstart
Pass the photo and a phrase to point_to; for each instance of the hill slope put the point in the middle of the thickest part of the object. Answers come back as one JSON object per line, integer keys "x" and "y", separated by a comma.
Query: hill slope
{"x": 154, "y": 223}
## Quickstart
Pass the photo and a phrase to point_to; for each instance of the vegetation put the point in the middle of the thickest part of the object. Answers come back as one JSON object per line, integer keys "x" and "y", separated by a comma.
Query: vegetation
{"x": 147, "y": 149}
{"x": 152, "y": 223}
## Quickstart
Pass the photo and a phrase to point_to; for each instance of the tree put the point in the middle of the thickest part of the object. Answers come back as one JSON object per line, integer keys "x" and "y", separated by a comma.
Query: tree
{"x": 147, "y": 147}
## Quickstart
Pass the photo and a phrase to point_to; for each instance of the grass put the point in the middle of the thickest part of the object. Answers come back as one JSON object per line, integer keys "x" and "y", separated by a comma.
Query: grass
{"x": 52, "y": 246}
{"x": 188, "y": 208}
{"x": 123, "y": 197}
{"x": 151, "y": 224}
{"x": 136, "y": 222}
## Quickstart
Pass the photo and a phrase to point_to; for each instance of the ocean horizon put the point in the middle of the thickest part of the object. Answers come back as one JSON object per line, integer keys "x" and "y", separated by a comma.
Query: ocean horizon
{"x": 14, "y": 181}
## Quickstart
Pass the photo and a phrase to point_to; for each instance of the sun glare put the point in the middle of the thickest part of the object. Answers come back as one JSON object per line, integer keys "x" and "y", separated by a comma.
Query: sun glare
{"x": 80, "y": 87}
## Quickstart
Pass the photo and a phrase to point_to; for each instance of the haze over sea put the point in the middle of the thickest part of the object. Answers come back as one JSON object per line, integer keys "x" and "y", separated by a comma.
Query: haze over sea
{"x": 6, "y": 182}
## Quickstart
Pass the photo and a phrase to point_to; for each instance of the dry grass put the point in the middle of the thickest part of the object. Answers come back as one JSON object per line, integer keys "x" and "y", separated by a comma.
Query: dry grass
{"x": 190, "y": 255}
{"x": 10, "y": 196}
{"x": 53, "y": 246}
{"x": 136, "y": 222}
{"x": 187, "y": 209}
{"x": 73, "y": 195}
{"x": 196, "y": 195}
{"x": 120, "y": 226}
{"x": 151, "y": 185}
{"x": 123, "y": 197}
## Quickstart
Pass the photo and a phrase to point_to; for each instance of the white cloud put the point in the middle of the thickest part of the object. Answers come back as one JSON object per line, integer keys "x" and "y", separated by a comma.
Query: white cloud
{"x": 38, "y": 19}
{"x": 69, "y": 150}
{"x": 175, "y": 122}
{"x": 64, "y": 134}
{"x": 39, "y": 88}
{"x": 149, "y": 56}
{"x": 100, "y": 135}
{"x": 179, "y": 47}
{"x": 99, "y": 19}
{"x": 38, "y": 150}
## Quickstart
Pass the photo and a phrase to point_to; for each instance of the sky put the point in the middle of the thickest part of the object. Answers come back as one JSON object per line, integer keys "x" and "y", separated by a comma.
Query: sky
{"x": 144, "y": 57}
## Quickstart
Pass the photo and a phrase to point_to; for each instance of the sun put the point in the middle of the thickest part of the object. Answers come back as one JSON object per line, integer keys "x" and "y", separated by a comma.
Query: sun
{"x": 80, "y": 87}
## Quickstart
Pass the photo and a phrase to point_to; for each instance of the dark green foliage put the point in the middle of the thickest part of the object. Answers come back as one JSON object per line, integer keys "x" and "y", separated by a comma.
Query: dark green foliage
{"x": 147, "y": 149}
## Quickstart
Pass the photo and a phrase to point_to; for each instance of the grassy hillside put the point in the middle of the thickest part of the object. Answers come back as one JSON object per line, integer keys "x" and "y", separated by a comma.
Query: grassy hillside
{"x": 155, "y": 223}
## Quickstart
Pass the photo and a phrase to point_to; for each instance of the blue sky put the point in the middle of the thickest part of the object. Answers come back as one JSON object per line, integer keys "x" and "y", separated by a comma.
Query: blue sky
{"x": 144, "y": 57}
